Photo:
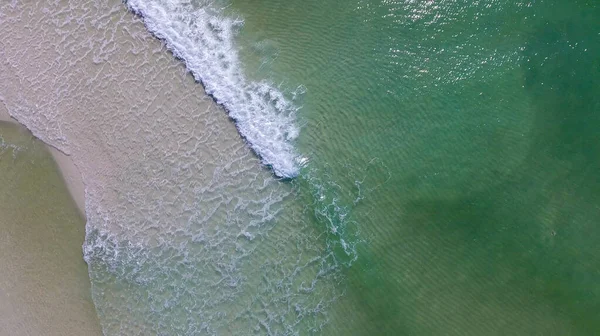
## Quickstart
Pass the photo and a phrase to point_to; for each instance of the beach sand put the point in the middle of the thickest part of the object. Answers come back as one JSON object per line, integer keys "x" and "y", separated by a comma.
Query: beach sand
{"x": 44, "y": 284}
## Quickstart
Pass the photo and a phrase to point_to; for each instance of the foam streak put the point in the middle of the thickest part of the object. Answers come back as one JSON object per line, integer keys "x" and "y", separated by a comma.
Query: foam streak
{"x": 204, "y": 40}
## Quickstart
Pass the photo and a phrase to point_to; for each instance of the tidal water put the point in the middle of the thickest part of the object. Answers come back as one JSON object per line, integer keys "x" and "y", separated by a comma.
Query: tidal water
{"x": 461, "y": 140}
{"x": 396, "y": 167}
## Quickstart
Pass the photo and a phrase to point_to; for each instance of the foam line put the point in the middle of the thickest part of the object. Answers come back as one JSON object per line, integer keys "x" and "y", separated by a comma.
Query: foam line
{"x": 204, "y": 40}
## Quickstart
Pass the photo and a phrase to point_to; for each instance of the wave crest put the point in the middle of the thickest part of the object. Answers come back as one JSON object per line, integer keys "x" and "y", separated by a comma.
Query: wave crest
{"x": 204, "y": 40}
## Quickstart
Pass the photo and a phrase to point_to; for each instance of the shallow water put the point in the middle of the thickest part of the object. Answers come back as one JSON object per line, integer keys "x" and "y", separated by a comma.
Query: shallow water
{"x": 44, "y": 285}
{"x": 474, "y": 125}
{"x": 444, "y": 154}
{"x": 187, "y": 232}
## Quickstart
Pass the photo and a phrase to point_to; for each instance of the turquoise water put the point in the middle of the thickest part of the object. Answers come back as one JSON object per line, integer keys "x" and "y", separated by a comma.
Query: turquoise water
{"x": 440, "y": 163}
{"x": 374, "y": 168}
{"x": 457, "y": 145}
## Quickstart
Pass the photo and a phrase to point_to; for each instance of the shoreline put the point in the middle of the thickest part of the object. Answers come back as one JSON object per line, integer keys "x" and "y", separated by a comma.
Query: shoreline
{"x": 4, "y": 116}
{"x": 45, "y": 288}
{"x": 67, "y": 168}
{"x": 113, "y": 122}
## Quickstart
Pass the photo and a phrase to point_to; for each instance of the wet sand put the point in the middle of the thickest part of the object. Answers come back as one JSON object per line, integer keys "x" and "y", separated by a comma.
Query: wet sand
{"x": 44, "y": 284}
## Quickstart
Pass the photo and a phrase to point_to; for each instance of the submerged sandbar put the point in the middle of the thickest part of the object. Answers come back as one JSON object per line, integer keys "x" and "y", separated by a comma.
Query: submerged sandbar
{"x": 44, "y": 284}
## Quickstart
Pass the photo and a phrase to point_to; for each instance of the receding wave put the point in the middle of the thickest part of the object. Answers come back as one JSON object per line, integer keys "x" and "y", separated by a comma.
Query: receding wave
{"x": 204, "y": 40}
{"x": 186, "y": 234}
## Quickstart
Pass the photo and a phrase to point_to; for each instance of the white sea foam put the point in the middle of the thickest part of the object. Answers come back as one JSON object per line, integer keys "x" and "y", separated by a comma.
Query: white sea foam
{"x": 186, "y": 234}
{"x": 204, "y": 40}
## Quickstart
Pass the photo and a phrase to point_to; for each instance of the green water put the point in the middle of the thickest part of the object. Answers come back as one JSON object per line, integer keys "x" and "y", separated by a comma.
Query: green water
{"x": 44, "y": 284}
{"x": 458, "y": 146}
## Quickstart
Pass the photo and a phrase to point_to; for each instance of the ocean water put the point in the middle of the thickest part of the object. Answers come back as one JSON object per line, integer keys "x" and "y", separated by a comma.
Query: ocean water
{"x": 371, "y": 167}
{"x": 45, "y": 288}
{"x": 461, "y": 140}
